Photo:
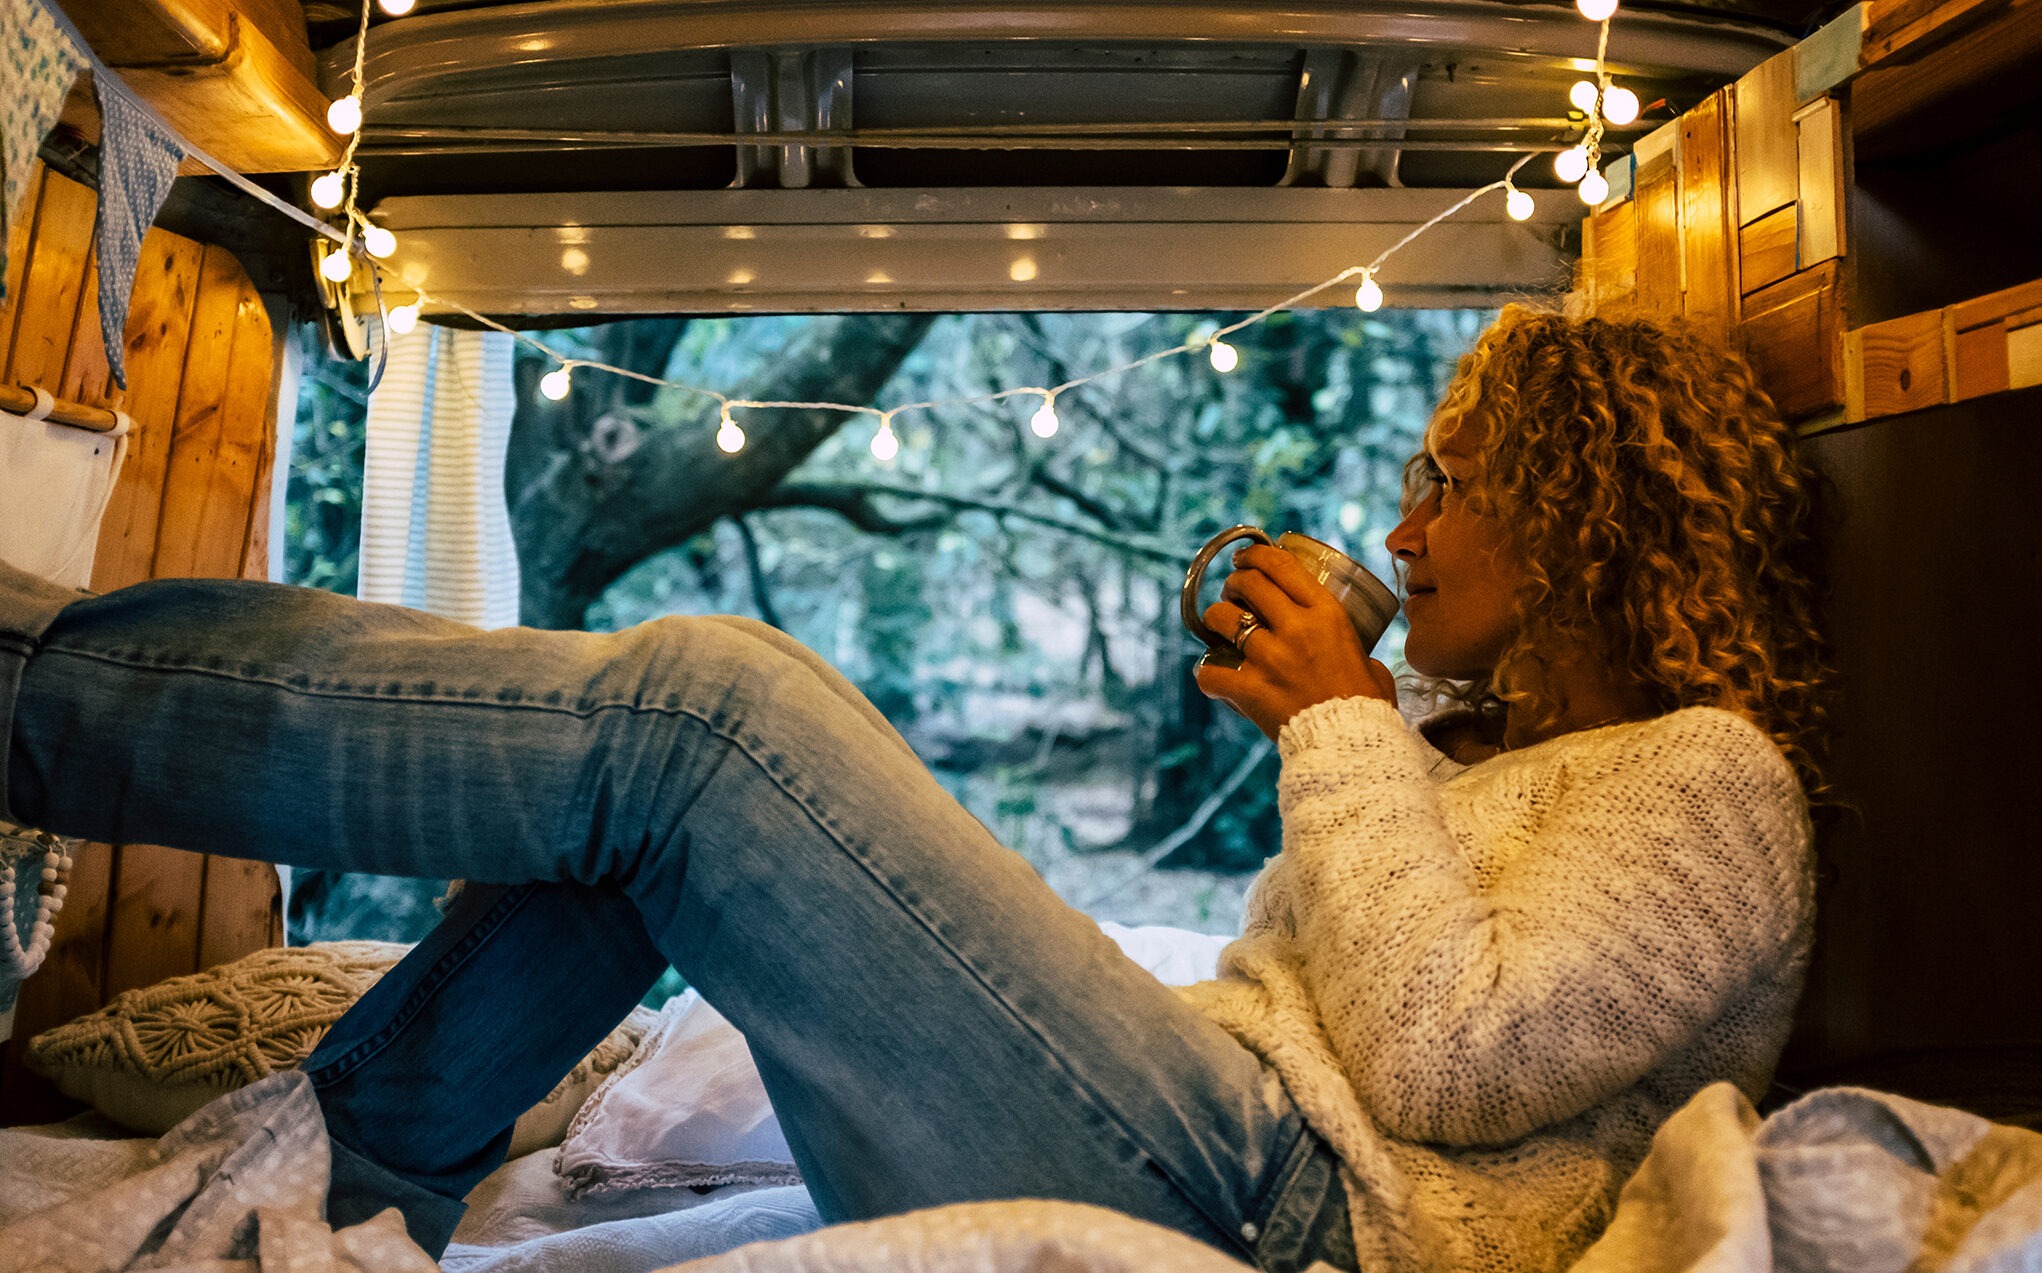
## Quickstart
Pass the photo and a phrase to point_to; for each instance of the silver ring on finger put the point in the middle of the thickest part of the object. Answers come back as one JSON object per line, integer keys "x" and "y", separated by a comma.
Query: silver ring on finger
{"x": 1245, "y": 629}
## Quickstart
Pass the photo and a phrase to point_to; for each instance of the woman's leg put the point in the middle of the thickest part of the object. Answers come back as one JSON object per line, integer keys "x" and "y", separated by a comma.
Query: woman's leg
{"x": 934, "y": 1023}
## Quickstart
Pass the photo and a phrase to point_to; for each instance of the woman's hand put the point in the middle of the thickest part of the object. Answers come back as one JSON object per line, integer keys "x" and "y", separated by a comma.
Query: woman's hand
{"x": 1304, "y": 651}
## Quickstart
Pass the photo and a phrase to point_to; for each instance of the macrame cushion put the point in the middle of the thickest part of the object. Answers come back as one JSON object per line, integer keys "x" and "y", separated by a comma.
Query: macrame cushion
{"x": 154, "y": 1055}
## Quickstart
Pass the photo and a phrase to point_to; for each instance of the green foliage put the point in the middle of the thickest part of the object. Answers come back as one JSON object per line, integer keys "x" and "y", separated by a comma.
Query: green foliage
{"x": 1023, "y": 632}
{"x": 323, "y": 508}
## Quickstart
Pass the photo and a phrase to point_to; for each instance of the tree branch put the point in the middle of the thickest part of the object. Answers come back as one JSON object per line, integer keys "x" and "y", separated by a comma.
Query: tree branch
{"x": 1177, "y": 839}
{"x": 852, "y": 504}
{"x": 762, "y": 593}
{"x": 1140, "y": 546}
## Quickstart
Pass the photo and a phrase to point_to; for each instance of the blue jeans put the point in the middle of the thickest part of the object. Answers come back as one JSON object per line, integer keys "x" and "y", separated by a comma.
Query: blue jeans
{"x": 932, "y": 1023}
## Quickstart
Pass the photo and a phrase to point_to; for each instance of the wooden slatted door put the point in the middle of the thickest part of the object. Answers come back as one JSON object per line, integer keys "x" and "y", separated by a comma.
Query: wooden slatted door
{"x": 192, "y": 501}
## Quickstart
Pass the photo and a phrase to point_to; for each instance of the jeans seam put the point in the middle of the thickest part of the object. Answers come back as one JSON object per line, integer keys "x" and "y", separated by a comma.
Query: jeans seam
{"x": 1100, "y": 1106}
{"x": 428, "y": 988}
{"x": 434, "y": 695}
{"x": 1293, "y": 1162}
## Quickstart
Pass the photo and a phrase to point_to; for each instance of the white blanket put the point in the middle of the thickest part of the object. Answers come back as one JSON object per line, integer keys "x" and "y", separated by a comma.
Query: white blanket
{"x": 239, "y": 1187}
{"x": 1844, "y": 1179}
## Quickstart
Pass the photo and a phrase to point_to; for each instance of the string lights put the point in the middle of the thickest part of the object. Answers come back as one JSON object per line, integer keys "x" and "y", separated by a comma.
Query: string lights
{"x": 730, "y": 438}
{"x": 1603, "y": 103}
{"x": 1599, "y": 100}
{"x": 884, "y": 444}
{"x": 1043, "y": 424}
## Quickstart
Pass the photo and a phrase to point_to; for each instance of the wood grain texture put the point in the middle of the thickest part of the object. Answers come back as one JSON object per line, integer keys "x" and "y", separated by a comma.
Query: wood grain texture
{"x": 1995, "y": 306}
{"x": 1767, "y": 162}
{"x": 20, "y": 241}
{"x": 1948, "y": 78}
{"x": 1978, "y": 362}
{"x": 1658, "y": 239}
{"x": 52, "y": 283}
{"x": 1609, "y": 261}
{"x": 197, "y": 434}
{"x": 1707, "y": 239}
{"x": 158, "y": 898}
{"x": 158, "y": 333}
{"x": 1766, "y": 249}
{"x": 242, "y": 908}
{"x": 1897, "y": 366}
{"x": 1792, "y": 332}
{"x": 88, "y": 374}
{"x": 1819, "y": 147}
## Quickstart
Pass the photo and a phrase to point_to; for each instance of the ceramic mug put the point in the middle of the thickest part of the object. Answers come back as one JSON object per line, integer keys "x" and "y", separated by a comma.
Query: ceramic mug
{"x": 1369, "y": 603}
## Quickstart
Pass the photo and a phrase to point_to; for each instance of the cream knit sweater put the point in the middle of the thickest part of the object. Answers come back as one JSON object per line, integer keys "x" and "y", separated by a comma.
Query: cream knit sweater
{"x": 1487, "y": 986}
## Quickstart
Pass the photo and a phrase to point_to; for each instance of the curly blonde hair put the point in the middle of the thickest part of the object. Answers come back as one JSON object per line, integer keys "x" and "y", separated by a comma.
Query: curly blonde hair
{"x": 1663, "y": 514}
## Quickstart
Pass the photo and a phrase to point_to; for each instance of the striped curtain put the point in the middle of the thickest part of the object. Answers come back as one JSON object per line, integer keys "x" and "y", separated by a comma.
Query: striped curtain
{"x": 435, "y": 529}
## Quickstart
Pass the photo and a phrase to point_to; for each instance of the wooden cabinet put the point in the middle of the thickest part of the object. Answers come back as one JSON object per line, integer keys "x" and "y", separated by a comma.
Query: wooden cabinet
{"x": 192, "y": 500}
{"x": 1880, "y": 241}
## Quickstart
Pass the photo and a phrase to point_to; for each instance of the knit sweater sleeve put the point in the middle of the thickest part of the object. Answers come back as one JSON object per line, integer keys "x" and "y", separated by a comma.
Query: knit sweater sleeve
{"x": 1666, "y": 873}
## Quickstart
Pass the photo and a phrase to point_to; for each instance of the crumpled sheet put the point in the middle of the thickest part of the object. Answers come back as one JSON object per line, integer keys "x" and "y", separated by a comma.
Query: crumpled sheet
{"x": 1845, "y": 1180}
{"x": 239, "y": 1187}
{"x": 1023, "y": 1236}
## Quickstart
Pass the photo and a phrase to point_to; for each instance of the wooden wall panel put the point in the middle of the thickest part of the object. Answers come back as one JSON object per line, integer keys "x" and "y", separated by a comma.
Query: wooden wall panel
{"x": 20, "y": 234}
{"x": 193, "y": 500}
{"x": 1766, "y": 249}
{"x": 158, "y": 332}
{"x": 55, "y": 276}
{"x": 1793, "y": 334}
{"x": 158, "y": 899}
{"x": 1708, "y": 242}
{"x": 1658, "y": 290}
{"x": 1819, "y": 148}
{"x": 1767, "y": 159}
{"x": 1898, "y": 365}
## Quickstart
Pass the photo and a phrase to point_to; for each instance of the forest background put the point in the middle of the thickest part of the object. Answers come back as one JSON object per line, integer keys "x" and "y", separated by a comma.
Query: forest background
{"x": 1009, "y": 601}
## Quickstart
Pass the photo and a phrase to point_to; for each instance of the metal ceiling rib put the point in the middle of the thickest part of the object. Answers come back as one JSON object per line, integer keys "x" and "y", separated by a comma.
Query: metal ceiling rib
{"x": 605, "y": 153}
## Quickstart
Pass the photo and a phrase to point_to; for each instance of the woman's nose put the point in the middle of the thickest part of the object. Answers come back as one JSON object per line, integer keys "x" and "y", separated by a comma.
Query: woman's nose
{"x": 1408, "y": 539}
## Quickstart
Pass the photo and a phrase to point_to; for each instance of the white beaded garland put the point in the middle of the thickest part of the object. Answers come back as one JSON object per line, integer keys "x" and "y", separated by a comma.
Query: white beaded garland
{"x": 18, "y": 847}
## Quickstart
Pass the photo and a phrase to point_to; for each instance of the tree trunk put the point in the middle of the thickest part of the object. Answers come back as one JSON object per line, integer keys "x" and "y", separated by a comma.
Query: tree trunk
{"x": 593, "y": 491}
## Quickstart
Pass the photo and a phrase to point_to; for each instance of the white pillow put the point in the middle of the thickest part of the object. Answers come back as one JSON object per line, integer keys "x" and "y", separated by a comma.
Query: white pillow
{"x": 688, "y": 1109}
{"x": 1176, "y": 956}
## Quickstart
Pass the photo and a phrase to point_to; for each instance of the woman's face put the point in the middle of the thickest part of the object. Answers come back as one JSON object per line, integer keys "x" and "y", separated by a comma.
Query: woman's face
{"x": 1460, "y": 572}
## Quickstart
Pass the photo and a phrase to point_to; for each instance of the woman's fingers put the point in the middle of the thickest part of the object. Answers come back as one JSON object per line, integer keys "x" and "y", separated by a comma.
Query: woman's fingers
{"x": 1224, "y": 618}
{"x": 1251, "y": 589}
{"x": 1286, "y": 572}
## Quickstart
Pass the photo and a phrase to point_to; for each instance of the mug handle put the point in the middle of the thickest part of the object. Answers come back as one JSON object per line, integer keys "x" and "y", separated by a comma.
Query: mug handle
{"x": 1194, "y": 579}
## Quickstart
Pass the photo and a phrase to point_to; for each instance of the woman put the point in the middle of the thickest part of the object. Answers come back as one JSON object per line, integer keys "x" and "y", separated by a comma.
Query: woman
{"x": 1465, "y": 995}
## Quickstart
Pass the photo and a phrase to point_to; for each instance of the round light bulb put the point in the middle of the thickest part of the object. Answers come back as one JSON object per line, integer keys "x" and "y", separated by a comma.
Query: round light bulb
{"x": 1571, "y": 164}
{"x": 555, "y": 384}
{"x": 1596, "y": 10}
{"x": 1582, "y": 95}
{"x": 1594, "y": 188}
{"x": 397, "y": 8}
{"x": 1044, "y": 421}
{"x": 379, "y": 242}
{"x": 729, "y": 438}
{"x": 345, "y": 115}
{"x": 337, "y": 267}
{"x": 1519, "y": 205}
{"x": 1368, "y": 297}
{"x": 403, "y": 319}
{"x": 884, "y": 444}
{"x": 1619, "y": 105}
{"x": 329, "y": 190}
{"x": 1224, "y": 356}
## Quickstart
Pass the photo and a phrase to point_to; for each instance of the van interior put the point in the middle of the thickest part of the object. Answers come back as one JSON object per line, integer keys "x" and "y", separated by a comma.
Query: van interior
{"x": 1848, "y": 192}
